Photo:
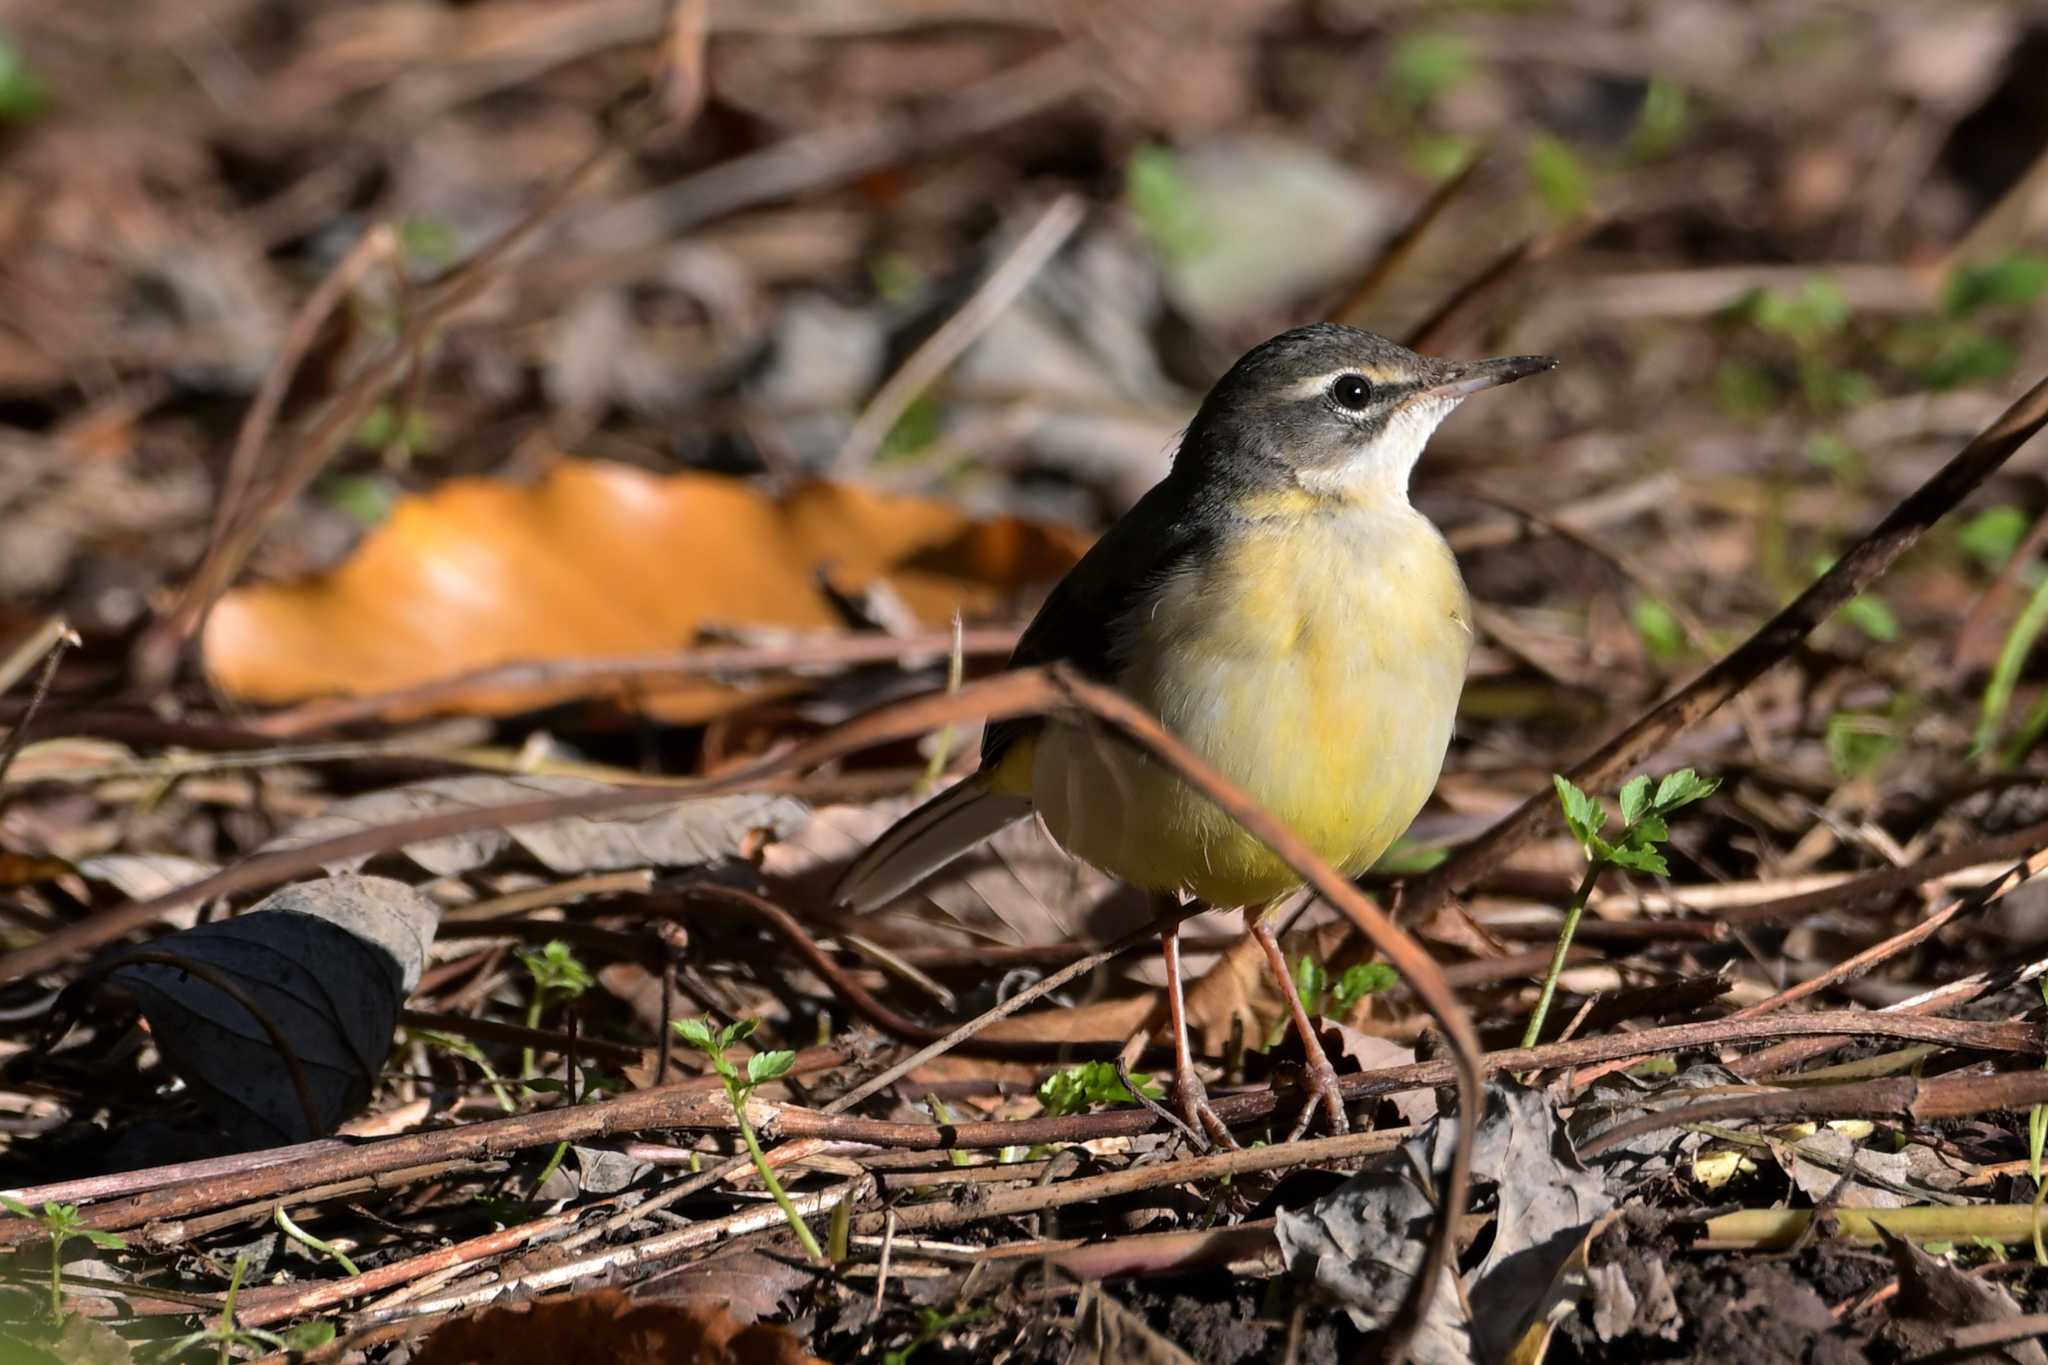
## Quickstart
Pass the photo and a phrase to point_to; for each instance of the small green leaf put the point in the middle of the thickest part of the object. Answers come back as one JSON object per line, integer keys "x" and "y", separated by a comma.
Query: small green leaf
{"x": 105, "y": 1241}
{"x": 1362, "y": 979}
{"x": 1310, "y": 980}
{"x": 309, "y": 1336}
{"x": 1407, "y": 858}
{"x": 1164, "y": 203}
{"x": 1635, "y": 798}
{"x": 1682, "y": 788}
{"x": 767, "y": 1066}
{"x": 1582, "y": 813}
{"x": 1992, "y": 536}
{"x": 1661, "y": 123}
{"x": 1858, "y": 743}
{"x": 738, "y": 1031}
{"x": 1870, "y": 615}
{"x": 696, "y": 1032}
{"x": 1640, "y": 860}
{"x": 1425, "y": 65}
{"x": 1560, "y": 177}
{"x": 556, "y": 970}
{"x": 23, "y": 93}
{"x": 2013, "y": 281}
{"x": 16, "y": 1207}
{"x": 1661, "y": 631}
{"x": 1651, "y": 829}
{"x": 1075, "y": 1089}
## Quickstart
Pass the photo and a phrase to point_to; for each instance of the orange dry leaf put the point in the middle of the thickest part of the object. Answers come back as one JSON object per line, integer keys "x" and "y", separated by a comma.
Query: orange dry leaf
{"x": 600, "y": 560}
{"x": 610, "y": 1328}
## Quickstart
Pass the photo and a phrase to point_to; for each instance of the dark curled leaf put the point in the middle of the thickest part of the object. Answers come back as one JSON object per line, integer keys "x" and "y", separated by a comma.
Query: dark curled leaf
{"x": 326, "y": 964}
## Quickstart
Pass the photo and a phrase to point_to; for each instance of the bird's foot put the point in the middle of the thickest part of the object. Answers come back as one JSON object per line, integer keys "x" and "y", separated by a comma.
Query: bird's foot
{"x": 1320, "y": 1084}
{"x": 1191, "y": 1100}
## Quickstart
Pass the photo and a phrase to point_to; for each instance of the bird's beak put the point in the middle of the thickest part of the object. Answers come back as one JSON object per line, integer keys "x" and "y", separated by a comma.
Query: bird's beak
{"x": 1469, "y": 379}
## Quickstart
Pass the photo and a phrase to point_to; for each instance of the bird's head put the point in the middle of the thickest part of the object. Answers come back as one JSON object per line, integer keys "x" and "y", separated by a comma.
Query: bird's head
{"x": 1332, "y": 410}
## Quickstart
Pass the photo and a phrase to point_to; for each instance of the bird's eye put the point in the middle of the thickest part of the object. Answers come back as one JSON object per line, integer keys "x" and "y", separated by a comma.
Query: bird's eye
{"x": 1351, "y": 391}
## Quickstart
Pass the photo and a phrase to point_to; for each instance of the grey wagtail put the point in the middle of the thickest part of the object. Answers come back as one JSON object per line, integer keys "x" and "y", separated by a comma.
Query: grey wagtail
{"x": 1281, "y": 607}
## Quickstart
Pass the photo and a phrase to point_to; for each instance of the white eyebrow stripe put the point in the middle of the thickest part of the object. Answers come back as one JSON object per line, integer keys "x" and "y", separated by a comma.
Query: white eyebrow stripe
{"x": 1308, "y": 388}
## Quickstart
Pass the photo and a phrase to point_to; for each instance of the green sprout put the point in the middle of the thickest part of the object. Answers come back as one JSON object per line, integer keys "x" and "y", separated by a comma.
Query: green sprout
{"x": 225, "y": 1335}
{"x": 1644, "y": 825}
{"x": 557, "y": 975}
{"x": 1333, "y": 997}
{"x": 931, "y": 1325}
{"x": 1163, "y": 202}
{"x": 1079, "y": 1088}
{"x": 60, "y": 1222}
{"x": 762, "y": 1067}
{"x": 1559, "y": 177}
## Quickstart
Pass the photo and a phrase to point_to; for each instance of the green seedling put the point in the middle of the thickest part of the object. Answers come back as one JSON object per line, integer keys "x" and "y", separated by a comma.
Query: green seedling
{"x": 60, "y": 1222}
{"x": 557, "y": 976}
{"x": 1163, "y": 202}
{"x": 1080, "y": 1088}
{"x": 470, "y": 1052}
{"x": 224, "y": 1336}
{"x": 931, "y": 1325}
{"x": 762, "y": 1067}
{"x": 314, "y": 1244}
{"x": 1333, "y": 997}
{"x": 1560, "y": 179}
{"x": 1645, "y": 813}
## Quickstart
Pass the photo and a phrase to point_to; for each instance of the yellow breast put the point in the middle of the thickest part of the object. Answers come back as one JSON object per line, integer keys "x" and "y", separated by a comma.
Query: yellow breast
{"x": 1316, "y": 659}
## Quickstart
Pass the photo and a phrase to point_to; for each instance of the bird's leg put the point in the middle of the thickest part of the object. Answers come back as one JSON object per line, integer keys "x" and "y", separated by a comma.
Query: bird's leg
{"x": 1321, "y": 1083}
{"x": 1190, "y": 1096}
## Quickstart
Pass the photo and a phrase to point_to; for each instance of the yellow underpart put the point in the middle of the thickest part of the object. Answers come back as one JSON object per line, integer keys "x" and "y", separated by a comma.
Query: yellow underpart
{"x": 1316, "y": 659}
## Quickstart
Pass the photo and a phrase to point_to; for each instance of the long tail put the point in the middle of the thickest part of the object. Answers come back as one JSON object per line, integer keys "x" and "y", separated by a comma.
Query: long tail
{"x": 926, "y": 840}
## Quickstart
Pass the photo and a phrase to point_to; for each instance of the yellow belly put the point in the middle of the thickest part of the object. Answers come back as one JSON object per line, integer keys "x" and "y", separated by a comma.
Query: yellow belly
{"x": 1318, "y": 666}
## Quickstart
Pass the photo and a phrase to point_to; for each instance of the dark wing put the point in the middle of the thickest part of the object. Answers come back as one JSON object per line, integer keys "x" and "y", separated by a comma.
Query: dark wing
{"x": 1075, "y": 625}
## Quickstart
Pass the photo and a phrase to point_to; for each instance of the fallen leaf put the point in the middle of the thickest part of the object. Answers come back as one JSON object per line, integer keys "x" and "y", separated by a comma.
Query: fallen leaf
{"x": 1107, "y": 1333}
{"x": 1935, "y": 1298}
{"x": 1619, "y": 1097}
{"x": 688, "y": 833}
{"x": 328, "y": 963}
{"x": 743, "y": 1282}
{"x": 1820, "y": 1182}
{"x": 1362, "y": 1244}
{"x": 600, "y": 559}
{"x": 607, "y": 1326}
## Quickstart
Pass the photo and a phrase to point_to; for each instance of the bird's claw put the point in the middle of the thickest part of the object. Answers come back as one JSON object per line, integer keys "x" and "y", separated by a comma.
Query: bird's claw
{"x": 1320, "y": 1084}
{"x": 1191, "y": 1100}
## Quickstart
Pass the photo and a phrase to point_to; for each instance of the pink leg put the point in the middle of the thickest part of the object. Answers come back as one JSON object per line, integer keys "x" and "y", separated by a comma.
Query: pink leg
{"x": 1190, "y": 1096}
{"x": 1322, "y": 1077}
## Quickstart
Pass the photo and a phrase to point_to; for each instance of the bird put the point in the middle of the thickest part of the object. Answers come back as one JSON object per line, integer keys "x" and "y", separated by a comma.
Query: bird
{"x": 1279, "y": 604}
